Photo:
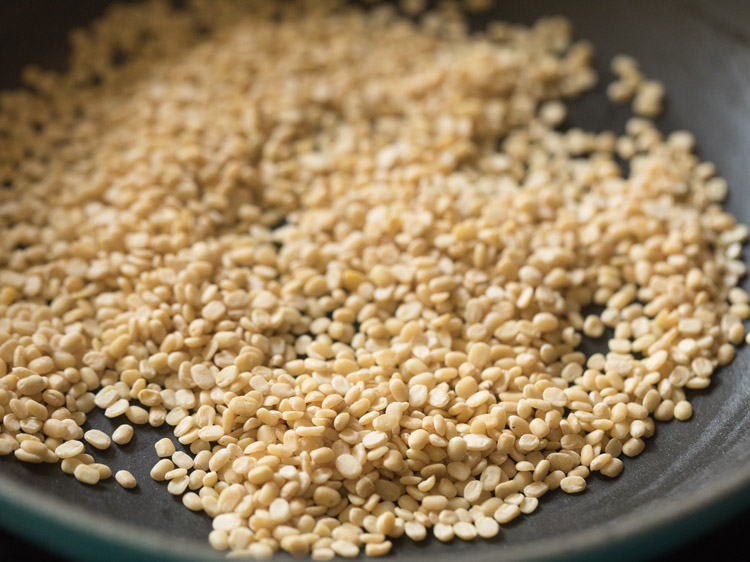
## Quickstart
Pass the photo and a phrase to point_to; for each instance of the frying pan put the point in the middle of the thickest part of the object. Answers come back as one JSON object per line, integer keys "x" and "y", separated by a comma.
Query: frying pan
{"x": 691, "y": 475}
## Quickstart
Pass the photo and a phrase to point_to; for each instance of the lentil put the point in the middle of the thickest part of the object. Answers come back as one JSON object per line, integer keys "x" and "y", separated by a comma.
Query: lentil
{"x": 123, "y": 434}
{"x": 465, "y": 531}
{"x": 69, "y": 449}
{"x": 97, "y": 438}
{"x": 164, "y": 447}
{"x": 573, "y": 484}
{"x": 434, "y": 284}
{"x": 161, "y": 469}
{"x": 487, "y": 527}
{"x": 87, "y": 474}
{"x": 683, "y": 410}
{"x": 443, "y": 532}
{"x": 125, "y": 479}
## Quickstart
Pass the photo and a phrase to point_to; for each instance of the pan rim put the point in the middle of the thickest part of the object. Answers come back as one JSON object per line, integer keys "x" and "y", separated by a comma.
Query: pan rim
{"x": 127, "y": 537}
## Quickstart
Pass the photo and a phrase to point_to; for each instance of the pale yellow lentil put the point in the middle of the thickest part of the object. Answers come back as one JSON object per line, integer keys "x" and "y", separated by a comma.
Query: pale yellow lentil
{"x": 125, "y": 479}
{"x": 97, "y": 438}
{"x": 87, "y": 474}
{"x": 123, "y": 434}
{"x": 434, "y": 283}
{"x": 683, "y": 410}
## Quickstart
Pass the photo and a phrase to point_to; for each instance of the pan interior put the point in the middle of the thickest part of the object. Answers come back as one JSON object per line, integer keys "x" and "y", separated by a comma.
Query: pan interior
{"x": 703, "y": 57}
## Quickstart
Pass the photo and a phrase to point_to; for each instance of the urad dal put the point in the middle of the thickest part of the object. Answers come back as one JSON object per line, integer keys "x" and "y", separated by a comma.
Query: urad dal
{"x": 350, "y": 259}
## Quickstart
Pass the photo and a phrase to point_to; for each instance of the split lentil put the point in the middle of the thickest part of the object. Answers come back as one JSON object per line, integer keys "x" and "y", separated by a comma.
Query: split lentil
{"x": 97, "y": 438}
{"x": 87, "y": 474}
{"x": 125, "y": 479}
{"x": 353, "y": 277}
{"x": 164, "y": 447}
{"x": 123, "y": 434}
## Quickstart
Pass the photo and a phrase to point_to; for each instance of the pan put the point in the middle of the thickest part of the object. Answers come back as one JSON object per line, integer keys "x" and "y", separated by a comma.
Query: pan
{"x": 690, "y": 477}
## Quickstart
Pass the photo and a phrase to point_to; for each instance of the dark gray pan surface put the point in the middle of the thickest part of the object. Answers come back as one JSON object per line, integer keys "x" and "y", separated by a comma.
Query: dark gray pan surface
{"x": 691, "y": 474}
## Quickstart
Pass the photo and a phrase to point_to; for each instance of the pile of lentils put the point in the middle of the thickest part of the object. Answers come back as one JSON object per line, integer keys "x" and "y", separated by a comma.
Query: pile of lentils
{"x": 349, "y": 257}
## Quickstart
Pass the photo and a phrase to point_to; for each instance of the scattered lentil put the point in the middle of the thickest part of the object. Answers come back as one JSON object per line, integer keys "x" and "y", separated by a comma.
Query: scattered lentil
{"x": 123, "y": 434}
{"x": 646, "y": 95}
{"x": 125, "y": 479}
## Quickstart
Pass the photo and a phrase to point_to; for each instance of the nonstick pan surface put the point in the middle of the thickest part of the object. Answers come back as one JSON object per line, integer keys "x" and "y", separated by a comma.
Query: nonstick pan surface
{"x": 690, "y": 477}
